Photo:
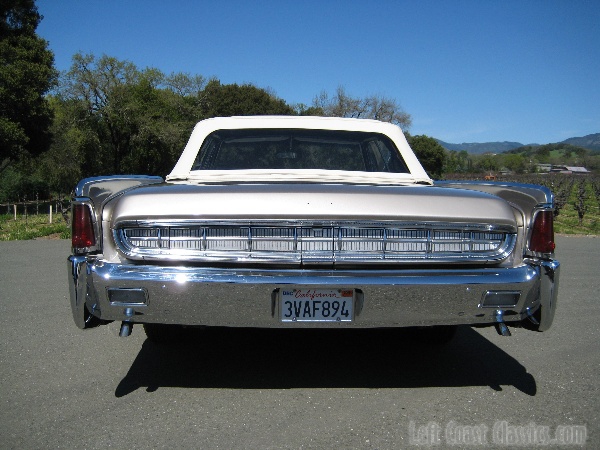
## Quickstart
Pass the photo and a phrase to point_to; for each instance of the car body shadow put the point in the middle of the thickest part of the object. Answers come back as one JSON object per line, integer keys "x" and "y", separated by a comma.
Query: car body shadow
{"x": 284, "y": 359}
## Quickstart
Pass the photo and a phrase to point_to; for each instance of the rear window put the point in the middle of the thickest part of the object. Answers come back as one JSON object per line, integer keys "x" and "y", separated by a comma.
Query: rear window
{"x": 299, "y": 149}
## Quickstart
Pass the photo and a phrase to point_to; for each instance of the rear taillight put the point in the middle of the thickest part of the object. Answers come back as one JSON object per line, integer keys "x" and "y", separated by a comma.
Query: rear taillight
{"x": 83, "y": 235}
{"x": 542, "y": 233}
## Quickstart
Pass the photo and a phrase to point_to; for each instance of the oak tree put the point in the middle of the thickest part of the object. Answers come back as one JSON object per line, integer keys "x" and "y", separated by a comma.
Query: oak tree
{"x": 26, "y": 75}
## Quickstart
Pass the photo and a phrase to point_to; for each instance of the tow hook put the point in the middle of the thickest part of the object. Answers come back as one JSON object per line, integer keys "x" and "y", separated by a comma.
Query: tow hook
{"x": 501, "y": 327}
{"x": 126, "y": 325}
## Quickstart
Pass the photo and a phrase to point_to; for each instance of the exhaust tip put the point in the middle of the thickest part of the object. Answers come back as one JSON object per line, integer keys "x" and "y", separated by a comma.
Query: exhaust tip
{"x": 501, "y": 327}
{"x": 126, "y": 328}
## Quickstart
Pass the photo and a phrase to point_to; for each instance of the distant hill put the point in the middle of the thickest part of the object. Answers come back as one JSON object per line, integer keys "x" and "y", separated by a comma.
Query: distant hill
{"x": 591, "y": 142}
{"x": 483, "y": 147}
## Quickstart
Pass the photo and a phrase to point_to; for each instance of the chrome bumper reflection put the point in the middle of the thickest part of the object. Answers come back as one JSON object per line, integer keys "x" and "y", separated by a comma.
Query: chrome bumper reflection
{"x": 549, "y": 276}
{"x": 247, "y": 297}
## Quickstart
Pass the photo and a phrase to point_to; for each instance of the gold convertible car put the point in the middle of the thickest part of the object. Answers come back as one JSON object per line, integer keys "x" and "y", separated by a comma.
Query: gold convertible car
{"x": 300, "y": 222}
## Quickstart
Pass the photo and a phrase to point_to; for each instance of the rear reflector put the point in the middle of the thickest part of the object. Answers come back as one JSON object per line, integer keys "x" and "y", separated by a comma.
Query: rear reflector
{"x": 542, "y": 234}
{"x": 83, "y": 229}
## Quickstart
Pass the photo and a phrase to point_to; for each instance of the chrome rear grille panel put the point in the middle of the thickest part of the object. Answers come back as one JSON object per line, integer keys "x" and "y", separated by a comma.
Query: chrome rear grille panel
{"x": 353, "y": 242}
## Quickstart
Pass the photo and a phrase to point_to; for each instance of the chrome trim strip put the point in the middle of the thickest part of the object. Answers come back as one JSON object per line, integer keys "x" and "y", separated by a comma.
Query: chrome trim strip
{"x": 182, "y": 275}
{"x": 83, "y": 187}
{"x": 316, "y": 224}
{"x": 546, "y": 192}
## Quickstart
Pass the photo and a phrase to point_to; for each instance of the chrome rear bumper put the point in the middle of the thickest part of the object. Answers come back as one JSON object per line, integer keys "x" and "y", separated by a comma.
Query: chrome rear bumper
{"x": 248, "y": 297}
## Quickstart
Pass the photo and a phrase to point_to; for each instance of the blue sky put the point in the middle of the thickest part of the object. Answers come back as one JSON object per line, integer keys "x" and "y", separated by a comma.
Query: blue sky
{"x": 466, "y": 71}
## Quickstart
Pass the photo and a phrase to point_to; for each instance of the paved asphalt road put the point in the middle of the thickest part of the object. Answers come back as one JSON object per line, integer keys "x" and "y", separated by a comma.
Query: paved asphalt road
{"x": 63, "y": 387}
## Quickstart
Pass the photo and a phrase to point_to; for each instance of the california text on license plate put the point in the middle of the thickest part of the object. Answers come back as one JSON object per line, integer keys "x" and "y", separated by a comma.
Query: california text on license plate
{"x": 316, "y": 305}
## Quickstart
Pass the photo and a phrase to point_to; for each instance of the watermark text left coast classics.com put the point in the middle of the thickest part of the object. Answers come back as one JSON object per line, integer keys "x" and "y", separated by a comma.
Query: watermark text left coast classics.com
{"x": 500, "y": 432}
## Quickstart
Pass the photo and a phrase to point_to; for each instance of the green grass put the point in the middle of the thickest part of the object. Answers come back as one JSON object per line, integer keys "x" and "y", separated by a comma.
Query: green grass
{"x": 32, "y": 227}
{"x": 567, "y": 222}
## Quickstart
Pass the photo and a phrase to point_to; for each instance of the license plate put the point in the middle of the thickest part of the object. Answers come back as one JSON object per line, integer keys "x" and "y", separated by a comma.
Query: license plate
{"x": 316, "y": 305}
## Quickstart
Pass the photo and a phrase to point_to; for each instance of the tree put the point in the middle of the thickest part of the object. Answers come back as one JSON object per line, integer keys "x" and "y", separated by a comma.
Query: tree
{"x": 516, "y": 163}
{"x": 457, "y": 161}
{"x": 429, "y": 152}
{"x": 487, "y": 162}
{"x": 137, "y": 121}
{"x": 97, "y": 90}
{"x": 26, "y": 75}
{"x": 371, "y": 107}
{"x": 221, "y": 100}
{"x": 303, "y": 110}
{"x": 71, "y": 151}
{"x": 542, "y": 154}
{"x": 120, "y": 119}
{"x": 126, "y": 120}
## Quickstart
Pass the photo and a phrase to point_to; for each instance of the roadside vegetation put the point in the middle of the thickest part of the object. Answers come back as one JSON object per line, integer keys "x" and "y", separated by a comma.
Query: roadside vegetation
{"x": 32, "y": 227}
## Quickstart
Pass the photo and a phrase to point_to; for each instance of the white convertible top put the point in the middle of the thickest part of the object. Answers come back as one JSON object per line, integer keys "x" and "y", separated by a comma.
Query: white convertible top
{"x": 182, "y": 170}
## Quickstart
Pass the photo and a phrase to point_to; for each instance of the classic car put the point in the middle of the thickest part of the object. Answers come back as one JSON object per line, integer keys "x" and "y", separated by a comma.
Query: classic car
{"x": 301, "y": 222}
